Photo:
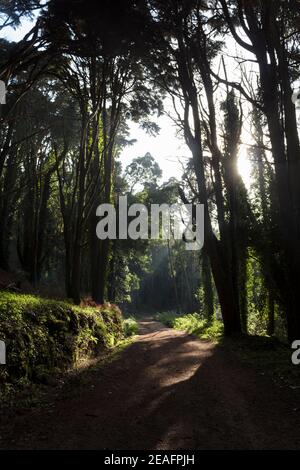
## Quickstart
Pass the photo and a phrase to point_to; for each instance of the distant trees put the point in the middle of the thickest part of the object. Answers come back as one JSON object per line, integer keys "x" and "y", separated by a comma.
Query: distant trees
{"x": 142, "y": 170}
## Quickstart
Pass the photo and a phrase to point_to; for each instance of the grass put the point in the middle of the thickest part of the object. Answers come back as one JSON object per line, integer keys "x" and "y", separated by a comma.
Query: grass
{"x": 194, "y": 324}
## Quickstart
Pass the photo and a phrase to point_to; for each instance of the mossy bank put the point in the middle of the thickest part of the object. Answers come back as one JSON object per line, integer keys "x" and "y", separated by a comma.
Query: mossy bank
{"x": 46, "y": 336}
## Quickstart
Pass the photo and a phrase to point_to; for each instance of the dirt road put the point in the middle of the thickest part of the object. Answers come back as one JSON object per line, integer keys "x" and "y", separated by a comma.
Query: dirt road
{"x": 168, "y": 390}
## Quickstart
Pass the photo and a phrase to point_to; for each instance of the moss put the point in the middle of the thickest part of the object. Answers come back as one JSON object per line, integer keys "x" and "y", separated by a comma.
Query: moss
{"x": 44, "y": 335}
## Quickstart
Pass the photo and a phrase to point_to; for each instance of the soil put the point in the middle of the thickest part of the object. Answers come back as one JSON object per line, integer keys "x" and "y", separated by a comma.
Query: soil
{"x": 167, "y": 390}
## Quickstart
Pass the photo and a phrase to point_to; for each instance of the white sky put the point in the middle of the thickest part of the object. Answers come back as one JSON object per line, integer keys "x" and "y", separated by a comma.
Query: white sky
{"x": 17, "y": 34}
{"x": 167, "y": 149}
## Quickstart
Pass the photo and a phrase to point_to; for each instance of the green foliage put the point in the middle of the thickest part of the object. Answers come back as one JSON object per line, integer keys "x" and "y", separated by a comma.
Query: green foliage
{"x": 257, "y": 300}
{"x": 258, "y": 306}
{"x": 143, "y": 170}
{"x": 130, "y": 327}
{"x": 43, "y": 336}
{"x": 193, "y": 323}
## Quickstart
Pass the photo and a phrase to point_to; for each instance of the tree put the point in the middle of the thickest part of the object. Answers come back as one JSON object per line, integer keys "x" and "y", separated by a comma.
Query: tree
{"x": 142, "y": 170}
{"x": 269, "y": 29}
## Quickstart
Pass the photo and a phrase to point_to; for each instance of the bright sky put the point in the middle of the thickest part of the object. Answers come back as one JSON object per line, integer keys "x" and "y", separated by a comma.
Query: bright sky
{"x": 168, "y": 149}
{"x": 16, "y": 35}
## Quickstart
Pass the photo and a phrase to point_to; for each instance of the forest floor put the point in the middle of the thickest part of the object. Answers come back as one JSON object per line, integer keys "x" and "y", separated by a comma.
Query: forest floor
{"x": 167, "y": 390}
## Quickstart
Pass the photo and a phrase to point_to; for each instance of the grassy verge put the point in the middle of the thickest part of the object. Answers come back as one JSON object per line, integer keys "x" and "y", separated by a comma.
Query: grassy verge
{"x": 193, "y": 323}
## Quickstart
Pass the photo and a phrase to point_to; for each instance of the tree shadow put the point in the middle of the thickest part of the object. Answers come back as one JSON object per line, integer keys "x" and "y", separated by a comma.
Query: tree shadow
{"x": 168, "y": 391}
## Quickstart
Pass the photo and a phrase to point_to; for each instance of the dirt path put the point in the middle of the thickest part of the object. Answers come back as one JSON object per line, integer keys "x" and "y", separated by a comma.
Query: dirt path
{"x": 168, "y": 390}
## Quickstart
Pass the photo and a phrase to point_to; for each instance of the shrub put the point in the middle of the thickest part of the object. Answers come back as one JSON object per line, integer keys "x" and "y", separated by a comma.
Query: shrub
{"x": 130, "y": 327}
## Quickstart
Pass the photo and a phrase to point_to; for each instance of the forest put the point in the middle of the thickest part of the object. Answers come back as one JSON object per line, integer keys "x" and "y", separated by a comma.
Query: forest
{"x": 226, "y": 73}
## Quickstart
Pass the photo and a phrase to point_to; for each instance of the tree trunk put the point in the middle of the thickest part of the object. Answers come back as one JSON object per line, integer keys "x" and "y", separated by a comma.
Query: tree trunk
{"x": 208, "y": 287}
{"x": 271, "y": 315}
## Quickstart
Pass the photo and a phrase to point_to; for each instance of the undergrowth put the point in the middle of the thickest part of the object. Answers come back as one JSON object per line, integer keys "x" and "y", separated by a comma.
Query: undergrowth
{"x": 193, "y": 323}
{"x": 130, "y": 326}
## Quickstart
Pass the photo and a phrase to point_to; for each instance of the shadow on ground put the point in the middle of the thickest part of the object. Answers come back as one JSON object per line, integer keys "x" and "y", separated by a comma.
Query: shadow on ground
{"x": 168, "y": 390}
